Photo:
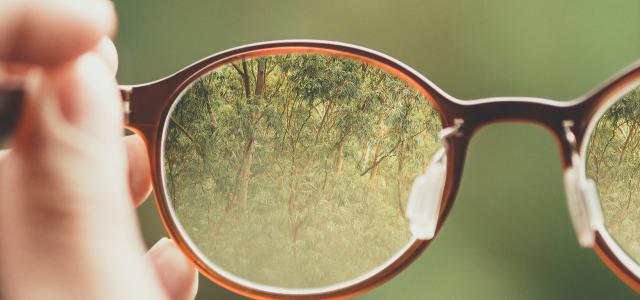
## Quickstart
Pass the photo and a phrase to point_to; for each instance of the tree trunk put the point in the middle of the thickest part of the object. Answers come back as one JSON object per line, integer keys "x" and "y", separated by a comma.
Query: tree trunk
{"x": 400, "y": 179}
{"x": 190, "y": 136}
{"x": 632, "y": 131}
{"x": 245, "y": 174}
{"x": 245, "y": 79}
{"x": 172, "y": 178}
{"x": 261, "y": 78}
{"x": 293, "y": 194}
{"x": 212, "y": 116}
{"x": 376, "y": 155}
{"x": 340, "y": 158}
{"x": 604, "y": 151}
{"x": 326, "y": 113}
{"x": 365, "y": 156}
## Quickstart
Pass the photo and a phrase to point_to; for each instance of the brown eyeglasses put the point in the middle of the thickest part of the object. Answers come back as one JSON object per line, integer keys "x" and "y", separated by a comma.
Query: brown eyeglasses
{"x": 314, "y": 169}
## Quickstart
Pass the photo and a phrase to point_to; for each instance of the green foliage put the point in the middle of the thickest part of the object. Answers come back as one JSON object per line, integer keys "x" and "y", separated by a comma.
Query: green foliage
{"x": 294, "y": 170}
{"x": 613, "y": 161}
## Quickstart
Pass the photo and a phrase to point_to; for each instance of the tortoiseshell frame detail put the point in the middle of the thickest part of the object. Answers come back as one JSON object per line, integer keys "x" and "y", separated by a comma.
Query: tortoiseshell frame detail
{"x": 150, "y": 103}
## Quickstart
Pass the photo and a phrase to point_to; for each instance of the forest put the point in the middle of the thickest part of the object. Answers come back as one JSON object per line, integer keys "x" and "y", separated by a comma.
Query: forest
{"x": 613, "y": 161}
{"x": 294, "y": 170}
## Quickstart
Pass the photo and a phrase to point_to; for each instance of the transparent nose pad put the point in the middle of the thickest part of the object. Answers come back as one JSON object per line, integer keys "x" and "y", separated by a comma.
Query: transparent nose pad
{"x": 583, "y": 202}
{"x": 425, "y": 198}
{"x": 427, "y": 191}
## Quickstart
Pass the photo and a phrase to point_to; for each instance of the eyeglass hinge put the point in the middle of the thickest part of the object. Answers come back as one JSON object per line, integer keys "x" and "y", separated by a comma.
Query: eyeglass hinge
{"x": 125, "y": 92}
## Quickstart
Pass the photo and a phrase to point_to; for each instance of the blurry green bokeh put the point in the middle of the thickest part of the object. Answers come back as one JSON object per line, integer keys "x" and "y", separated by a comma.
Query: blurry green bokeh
{"x": 509, "y": 235}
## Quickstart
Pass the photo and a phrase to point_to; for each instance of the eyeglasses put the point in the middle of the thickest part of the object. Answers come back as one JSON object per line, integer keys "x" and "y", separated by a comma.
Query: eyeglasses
{"x": 319, "y": 169}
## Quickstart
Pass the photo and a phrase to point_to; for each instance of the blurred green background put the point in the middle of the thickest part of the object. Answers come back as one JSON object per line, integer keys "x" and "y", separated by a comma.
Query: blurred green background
{"x": 509, "y": 235}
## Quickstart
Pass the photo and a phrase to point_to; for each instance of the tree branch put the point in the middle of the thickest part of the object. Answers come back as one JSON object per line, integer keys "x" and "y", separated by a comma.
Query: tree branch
{"x": 188, "y": 135}
{"x": 238, "y": 69}
{"x": 390, "y": 152}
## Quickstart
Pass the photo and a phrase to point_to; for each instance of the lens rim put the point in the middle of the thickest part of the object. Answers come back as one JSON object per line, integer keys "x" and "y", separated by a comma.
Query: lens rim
{"x": 607, "y": 248}
{"x": 175, "y": 85}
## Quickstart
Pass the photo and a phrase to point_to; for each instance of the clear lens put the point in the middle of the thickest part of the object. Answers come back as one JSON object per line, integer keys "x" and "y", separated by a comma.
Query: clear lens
{"x": 293, "y": 171}
{"x": 613, "y": 162}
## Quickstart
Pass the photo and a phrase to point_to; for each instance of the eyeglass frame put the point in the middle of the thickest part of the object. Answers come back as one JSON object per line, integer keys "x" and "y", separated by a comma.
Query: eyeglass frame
{"x": 147, "y": 106}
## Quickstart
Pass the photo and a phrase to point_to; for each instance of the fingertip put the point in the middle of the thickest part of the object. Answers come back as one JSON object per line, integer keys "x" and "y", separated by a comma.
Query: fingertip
{"x": 177, "y": 275}
{"x": 108, "y": 52}
{"x": 194, "y": 286}
{"x": 105, "y": 15}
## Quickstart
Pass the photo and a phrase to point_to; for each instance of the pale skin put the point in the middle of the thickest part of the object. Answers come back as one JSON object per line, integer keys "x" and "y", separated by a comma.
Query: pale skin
{"x": 70, "y": 183}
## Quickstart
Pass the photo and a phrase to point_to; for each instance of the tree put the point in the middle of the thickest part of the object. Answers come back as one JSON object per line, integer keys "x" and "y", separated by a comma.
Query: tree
{"x": 317, "y": 153}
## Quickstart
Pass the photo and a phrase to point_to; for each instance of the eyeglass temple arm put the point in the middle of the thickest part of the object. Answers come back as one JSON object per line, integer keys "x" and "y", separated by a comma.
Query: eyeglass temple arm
{"x": 12, "y": 99}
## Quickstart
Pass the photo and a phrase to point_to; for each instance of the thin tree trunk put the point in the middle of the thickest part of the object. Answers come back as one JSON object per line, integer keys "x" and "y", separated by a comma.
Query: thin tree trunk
{"x": 172, "y": 178}
{"x": 632, "y": 131}
{"x": 212, "y": 116}
{"x": 365, "y": 155}
{"x": 604, "y": 151}
{"x": 340, "y": 158}
{"x": 400, "y": 178}
{"x": 326, "y": 173}
{"x": 245, "y": 79}
{"x": 244, "y": 174}
{"x": 327, "y": 111}
{"x": 376, "y": 155}
{"x": 191, "y": 138}
{"x": 261, "y": 78}
{"x": 293, "y": 193}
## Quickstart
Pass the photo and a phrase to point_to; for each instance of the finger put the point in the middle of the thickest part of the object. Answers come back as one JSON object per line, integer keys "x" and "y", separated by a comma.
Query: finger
{"x": 107, "y": 51}
{"x": 177, "y": 275}
{"x": 139, "y": 169}
{"x": 50, "y": 32}
{"x": 63, "y": 188}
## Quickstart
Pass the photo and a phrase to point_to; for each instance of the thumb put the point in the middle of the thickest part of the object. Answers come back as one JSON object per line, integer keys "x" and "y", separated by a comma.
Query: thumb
{"x": 67, "y": 226}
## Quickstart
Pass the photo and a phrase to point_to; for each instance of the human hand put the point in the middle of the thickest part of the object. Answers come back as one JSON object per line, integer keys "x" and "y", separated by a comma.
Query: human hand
{"x": 69, "y": 184}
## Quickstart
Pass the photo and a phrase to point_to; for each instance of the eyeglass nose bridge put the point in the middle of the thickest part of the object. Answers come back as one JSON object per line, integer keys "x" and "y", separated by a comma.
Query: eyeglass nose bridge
{"x": 549, "y": 114}
{"x": 567, "y": 122}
